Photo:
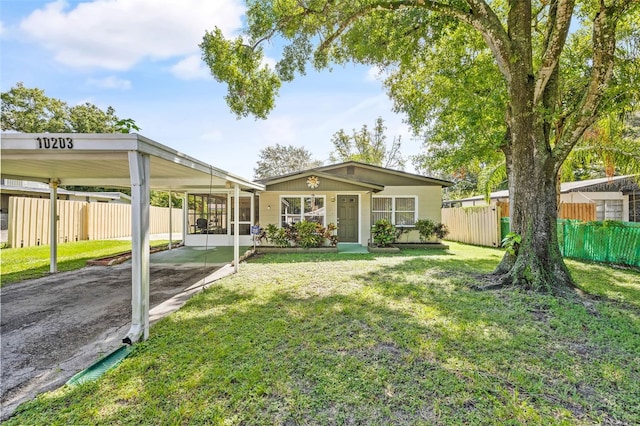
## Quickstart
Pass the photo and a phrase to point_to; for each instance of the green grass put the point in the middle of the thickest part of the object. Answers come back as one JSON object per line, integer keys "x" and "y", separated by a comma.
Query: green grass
{"x": 17, "y": 264}
{"x": 376, "y": 340}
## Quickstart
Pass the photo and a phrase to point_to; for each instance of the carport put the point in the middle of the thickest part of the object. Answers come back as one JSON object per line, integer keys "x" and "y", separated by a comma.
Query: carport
{"x": 117, "y": 160}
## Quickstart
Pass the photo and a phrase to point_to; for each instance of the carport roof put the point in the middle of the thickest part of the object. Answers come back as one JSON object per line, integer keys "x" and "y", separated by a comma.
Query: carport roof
{"x": 102, "y": 160}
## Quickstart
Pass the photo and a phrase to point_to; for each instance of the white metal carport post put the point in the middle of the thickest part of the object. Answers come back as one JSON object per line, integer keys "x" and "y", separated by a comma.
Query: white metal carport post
{"x": 53, "y": 227}
{"x": 236, "y": 230}
{"x": 139, "y": 172}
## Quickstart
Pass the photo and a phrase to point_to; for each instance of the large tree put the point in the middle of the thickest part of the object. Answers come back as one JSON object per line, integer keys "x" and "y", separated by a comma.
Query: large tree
{"x": 448, "y": 83}
{"x": 367, "y": 146}
{"x": 545, "y": 114}
{"x": 282, "y": 159}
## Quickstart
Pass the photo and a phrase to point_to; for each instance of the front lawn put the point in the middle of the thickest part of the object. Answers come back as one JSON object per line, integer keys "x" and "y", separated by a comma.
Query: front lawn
{"x": 376, "y": 340}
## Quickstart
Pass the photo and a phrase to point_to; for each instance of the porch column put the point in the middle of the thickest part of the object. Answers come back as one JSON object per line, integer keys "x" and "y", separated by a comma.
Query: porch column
{"x": 53, "y": 226}
{"x": 139, "y": 172}
{"x": 185, "y": 218}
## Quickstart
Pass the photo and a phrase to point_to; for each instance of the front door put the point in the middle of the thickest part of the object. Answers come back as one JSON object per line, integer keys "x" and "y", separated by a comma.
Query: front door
{"x": 348, "y": 218}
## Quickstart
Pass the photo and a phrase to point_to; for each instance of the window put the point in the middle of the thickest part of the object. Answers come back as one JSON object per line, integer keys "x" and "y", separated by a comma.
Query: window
{"x": 401, "y": 211}
{"x": 608, "y": 209}
{"x": 212, "y": 214}
{"x": 207, "y": 214}
{"x": 307, "y": 208}
{"x": 382, "y": 209}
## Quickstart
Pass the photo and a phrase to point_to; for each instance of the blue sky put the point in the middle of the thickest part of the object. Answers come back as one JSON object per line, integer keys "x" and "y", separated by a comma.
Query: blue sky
{"x": 142, "y": 58}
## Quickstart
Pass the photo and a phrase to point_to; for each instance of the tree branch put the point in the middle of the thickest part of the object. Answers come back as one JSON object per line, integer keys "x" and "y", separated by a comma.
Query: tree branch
{"x": 604, "y": 44}
{"x": 488, "y": 24}
{"x": 560, "y": 20}
{"x": 480, "y": 16}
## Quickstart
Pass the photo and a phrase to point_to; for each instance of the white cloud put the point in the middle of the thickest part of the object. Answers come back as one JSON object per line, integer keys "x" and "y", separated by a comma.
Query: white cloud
{"x": 191, "y": 68}
{"x": 117, "y": 34}
{"x": 111, "y": 82}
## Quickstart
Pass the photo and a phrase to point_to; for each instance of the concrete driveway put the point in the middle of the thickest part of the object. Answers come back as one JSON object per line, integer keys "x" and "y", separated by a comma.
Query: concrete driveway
{"x": 53, "y": 327}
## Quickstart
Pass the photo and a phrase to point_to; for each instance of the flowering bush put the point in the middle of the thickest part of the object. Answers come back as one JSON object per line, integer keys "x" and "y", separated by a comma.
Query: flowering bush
{"x": 302, "y": 234}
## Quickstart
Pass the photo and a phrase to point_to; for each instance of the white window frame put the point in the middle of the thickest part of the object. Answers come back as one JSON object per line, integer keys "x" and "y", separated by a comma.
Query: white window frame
{"x": 604, "y": 207}
{"x": 302, "y": 205}
{"x": 394, "y": 210}
{"x": 249, "y": 221}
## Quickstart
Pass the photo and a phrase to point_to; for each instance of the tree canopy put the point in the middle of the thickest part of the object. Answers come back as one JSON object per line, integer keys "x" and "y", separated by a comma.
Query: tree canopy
{"x": 551, "y": 86}
{"x": 283, "y": 159}
{"x": 463, "y": 139}
{"x": 367, "y": 146}
{"x": 30, "y": 110}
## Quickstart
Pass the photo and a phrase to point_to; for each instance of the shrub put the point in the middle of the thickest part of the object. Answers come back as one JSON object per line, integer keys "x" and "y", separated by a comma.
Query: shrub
{"x": 307, "y": 234}
{"x": 428, "y": 228}
{"x": 279, "y": 237}
{"x": 440, "y": 231}
{"x": 425, "y": 227}
{"x": 383, "y": 233}
{"x": 303, "y": 234}
{"x": 329, "y": 234}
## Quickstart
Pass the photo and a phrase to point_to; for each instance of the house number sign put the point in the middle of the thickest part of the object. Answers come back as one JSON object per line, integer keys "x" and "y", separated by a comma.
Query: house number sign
{"x": 55, "y": 143}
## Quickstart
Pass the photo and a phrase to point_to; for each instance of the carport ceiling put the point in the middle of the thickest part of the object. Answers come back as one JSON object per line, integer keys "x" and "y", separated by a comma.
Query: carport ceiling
{"x": 103, "y": 160}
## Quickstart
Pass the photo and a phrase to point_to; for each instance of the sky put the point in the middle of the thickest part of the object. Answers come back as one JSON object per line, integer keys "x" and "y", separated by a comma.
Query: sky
{"x": 142, "y": 58}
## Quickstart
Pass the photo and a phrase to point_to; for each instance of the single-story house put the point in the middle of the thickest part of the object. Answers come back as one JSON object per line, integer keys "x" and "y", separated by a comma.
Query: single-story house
{"x": 353, "y": 196}
{"x": 615, "y": 198}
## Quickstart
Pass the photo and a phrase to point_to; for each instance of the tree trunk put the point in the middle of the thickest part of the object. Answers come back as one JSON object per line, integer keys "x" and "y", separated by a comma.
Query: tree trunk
{"x": 532, "y": 172}
{"x": 539, "y": 264}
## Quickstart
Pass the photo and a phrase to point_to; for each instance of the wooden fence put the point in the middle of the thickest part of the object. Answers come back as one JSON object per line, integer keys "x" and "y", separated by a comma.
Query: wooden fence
{"x": 482, "y": 225}
{"x": 580, "y": 211}
{"x": 473, "y": 225}
{"x": 79, "y": 220}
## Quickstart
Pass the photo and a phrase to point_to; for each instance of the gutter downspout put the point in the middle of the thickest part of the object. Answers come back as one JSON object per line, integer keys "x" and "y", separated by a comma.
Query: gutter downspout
{"x": 53, "y": 226}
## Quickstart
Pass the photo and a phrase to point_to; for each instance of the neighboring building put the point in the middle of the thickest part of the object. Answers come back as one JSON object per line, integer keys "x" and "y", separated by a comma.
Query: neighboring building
{"x": 616, "y": 198}
{"x": 353, "y": 196}
{"x": 23, "y": 188}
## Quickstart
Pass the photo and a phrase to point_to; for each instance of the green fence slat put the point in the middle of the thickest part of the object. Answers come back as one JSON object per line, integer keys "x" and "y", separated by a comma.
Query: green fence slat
{"x": 610, "y": 242}
{"x": 504, "y": 227}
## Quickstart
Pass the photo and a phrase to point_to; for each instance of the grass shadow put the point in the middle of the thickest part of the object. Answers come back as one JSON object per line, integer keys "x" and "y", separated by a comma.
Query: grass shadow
{"x": 398, "y": 341}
